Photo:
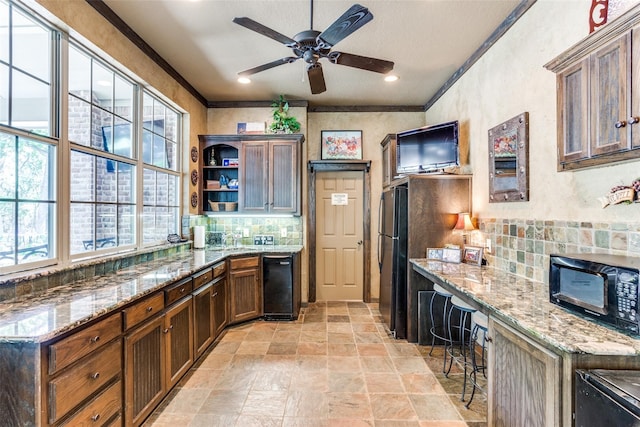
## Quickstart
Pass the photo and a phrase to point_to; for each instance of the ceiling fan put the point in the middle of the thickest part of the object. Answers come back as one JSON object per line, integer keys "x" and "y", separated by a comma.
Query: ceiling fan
{"x": 312, "y": 45}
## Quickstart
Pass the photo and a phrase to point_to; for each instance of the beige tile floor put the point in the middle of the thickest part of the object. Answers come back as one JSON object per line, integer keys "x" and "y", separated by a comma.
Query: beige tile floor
{"x": 335, "y": 366}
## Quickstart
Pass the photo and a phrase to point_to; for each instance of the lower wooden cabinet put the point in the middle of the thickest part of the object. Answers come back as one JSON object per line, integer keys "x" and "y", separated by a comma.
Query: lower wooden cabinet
{"x": 203, "y": 318}
{"x": 145, "y": 361}
{"x": 178, "y": 327}
{"x": 524, "y": 380}
{"x": 220, "y": 306}
{"x": 245, "y": 289}
{"x": 103, "y": 410}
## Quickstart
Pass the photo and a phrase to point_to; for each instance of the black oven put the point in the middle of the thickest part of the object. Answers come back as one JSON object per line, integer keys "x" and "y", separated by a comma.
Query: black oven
{"x": 600, "y": 286}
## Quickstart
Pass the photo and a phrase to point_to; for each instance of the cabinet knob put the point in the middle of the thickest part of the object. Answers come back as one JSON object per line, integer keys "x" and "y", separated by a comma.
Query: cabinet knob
{"x": 95, "y": 375}
{"x": 213, "y": 295}
{"x": 166, "y": 331}
{"x": 149, "y": 309}
{"x": 489, "y": 339}
{"x": 633, "y": 120}
{"x": 94, "y": 339}
{"x": 96, "y": 417}
{"x": 182, "y": 290}
{"x": 620, "y": 124}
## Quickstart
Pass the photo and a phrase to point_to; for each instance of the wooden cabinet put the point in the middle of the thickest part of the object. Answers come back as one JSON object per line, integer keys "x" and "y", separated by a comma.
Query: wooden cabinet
{"x": 178, "y": 327}
{"x": 145, "y": 362}
{"x": 270, "y": 176}
{"x": 203, "y": 318}
{"x": 599, "y": 97}
{"x": 267, "y": 167}
{"x": 524, "y": 380}
{"x": 220, "y": 305}
{"x": 388, "y": 159}
{"x": 245, "y": 289}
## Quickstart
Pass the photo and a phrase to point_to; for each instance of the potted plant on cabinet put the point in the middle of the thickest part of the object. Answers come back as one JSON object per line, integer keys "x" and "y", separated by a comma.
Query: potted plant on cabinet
{"x": 282, "y": 122}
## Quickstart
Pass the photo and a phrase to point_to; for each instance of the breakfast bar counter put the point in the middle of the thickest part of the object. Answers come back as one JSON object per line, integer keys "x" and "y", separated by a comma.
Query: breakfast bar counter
{"x": 534, "y": 346}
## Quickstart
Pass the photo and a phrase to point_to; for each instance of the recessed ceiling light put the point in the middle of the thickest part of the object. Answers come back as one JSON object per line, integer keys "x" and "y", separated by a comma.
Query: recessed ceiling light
{"x": 390, "y": 78}
{"x": 244, "y": 80}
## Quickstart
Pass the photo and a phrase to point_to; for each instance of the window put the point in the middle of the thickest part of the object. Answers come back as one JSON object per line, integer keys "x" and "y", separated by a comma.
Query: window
{"x": 161, "y": 182}
{"x": 28, "y": 141}
{"x": 118, "y": 153}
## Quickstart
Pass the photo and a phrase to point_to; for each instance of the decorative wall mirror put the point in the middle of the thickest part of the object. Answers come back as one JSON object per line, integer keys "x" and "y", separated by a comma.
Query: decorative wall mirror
{"x": 509, "y": 160}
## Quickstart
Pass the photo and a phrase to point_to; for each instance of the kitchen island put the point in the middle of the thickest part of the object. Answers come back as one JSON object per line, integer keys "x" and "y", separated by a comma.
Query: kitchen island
{"x": 67, "y": 354}
{"x": 535, "y": 346}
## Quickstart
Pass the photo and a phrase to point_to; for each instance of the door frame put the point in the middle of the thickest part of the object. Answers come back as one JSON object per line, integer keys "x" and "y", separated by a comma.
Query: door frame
{"x": 340, "y": 166}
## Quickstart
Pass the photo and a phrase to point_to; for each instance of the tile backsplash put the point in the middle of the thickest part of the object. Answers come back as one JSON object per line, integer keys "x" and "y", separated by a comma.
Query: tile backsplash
{"x": 247, "y": 227}
{"x": 523, "y": 246}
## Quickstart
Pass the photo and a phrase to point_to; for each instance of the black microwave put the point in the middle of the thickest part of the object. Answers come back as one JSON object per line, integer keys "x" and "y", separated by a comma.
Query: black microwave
{"x": 604, "y": 287}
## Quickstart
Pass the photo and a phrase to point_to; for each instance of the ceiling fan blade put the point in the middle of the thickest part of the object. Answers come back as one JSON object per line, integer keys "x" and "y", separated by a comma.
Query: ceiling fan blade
{"x": 363, "y": 62}
{"x": 349, "y": 22}
{"x": 316, "y": 78}
{"x": 263, "y": 67}
{"x": 265, "y": 31}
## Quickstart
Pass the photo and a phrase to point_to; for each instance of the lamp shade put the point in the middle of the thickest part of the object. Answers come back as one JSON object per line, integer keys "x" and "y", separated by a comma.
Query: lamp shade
{"x": 464, "y": 222}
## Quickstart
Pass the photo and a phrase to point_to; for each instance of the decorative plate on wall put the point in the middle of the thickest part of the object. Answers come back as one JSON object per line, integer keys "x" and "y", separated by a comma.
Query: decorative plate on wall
{"x": 194, "y": 177}
{"x": 194, "y": 154}
{"x": 194, "y": 200}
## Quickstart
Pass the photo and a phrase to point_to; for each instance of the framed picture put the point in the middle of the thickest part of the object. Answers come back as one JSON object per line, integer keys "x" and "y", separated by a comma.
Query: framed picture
{"x": 434, "y": 254}
{"x": 451, "y": 255}
{"x": 341, "y": 144}
{"x": 472, "y": 255}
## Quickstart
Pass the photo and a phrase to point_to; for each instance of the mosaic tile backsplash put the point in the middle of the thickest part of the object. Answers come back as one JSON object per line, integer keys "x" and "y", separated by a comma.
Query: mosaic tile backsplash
{"x": 523, "y": 246}
{"x": 216, "y": 227}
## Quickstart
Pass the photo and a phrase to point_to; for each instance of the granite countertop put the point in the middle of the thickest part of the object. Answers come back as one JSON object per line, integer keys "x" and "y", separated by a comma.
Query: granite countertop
{"x": 524, "y": 304}
{"x": 56, "y": 311}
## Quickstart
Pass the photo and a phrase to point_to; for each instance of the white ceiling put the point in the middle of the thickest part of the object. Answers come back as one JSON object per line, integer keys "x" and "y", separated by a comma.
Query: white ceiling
{"x": 427, "y": 39}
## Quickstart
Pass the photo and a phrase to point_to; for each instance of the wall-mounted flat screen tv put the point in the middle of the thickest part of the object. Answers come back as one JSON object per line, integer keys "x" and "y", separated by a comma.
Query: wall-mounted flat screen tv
{"x": 427, "y": 149}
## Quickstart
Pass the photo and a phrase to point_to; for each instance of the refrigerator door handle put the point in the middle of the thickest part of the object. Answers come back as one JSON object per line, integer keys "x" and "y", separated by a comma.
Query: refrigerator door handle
{"x": 380, "y": 209}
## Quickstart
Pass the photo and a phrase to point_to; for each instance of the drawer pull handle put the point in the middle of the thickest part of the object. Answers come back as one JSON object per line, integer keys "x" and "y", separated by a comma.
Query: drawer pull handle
{"x": 96, "y": 417}
{"x": 94, "y": 339}
{"x": 149, "y": 309}
{"x": 182, "y": 290}
{"x": 620, "y": 124}
{"x": 95, "y": 376}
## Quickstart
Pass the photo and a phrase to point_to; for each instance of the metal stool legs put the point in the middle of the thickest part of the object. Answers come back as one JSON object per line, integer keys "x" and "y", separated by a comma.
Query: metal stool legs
{"x": 461, "y": 340}
{"x": 478, "y": 335}
{"x": 441, "y": 335}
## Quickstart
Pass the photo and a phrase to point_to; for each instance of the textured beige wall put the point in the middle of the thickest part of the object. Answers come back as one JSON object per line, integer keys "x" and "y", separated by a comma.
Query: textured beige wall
{"x": 511, "y": 79}
{"x": 374, "y": 126}
{"x": 82, "y": 22}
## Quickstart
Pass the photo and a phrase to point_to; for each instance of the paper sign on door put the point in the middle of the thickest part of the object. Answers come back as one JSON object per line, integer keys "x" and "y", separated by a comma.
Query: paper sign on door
{"x": 339, "y": 199}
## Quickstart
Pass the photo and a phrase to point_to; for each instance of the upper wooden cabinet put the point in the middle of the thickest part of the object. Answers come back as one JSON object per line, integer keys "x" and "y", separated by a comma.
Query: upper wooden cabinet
{"x": 268, "y": 172}
{"x": 599, "y": 96}
{"x": 388, "y": 159}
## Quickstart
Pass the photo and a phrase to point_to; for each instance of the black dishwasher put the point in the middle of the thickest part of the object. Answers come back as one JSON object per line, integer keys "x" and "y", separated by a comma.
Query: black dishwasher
{"x": 607, "y": 398}
{"x": 281, "y": 287}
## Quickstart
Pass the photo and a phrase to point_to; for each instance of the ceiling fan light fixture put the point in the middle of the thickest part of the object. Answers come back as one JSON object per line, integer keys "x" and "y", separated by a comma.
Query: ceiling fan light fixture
{"x": 390, "y": 78}
{"x": 244, "y": 80}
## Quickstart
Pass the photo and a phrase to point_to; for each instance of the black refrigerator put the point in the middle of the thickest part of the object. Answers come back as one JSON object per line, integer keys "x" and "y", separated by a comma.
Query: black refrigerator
{"x": 392, "y": 259}
{"x": 416, "y": 212}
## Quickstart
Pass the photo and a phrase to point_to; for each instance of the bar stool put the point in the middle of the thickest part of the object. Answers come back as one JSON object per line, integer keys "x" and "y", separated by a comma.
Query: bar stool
{"x": 479, "y": 332}
{"x": 463, "y": 312}
{"x": 441, "y": 334}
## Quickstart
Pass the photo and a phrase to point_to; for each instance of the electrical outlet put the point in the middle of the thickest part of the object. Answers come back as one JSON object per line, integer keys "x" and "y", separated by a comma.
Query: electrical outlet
{"x": 283, "y": 232}
{"x": 487, "y": 245}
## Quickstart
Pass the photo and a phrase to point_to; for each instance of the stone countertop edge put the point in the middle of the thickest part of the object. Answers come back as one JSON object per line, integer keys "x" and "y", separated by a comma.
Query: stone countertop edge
{"x": 40, "y": 318}
{"x": 524, "y": 305}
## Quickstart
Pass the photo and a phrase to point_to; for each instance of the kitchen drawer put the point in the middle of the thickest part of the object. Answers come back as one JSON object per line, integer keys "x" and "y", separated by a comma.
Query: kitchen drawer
{"x": 219, "y": 269}
{"x": 240, "y": 263}
{"x": 81, "y": 343}
{"x": 143, "y": 310}
{"x": 99, "y": 410}
{"x": 202, "y": 278}
{"x": 175, "y": 292}
{"x": 75, "y": 385}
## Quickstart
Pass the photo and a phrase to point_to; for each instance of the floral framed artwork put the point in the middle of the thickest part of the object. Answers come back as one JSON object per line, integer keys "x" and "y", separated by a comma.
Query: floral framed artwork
{"x": 472, "y": 255}
{"x": 341, "y": 144}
